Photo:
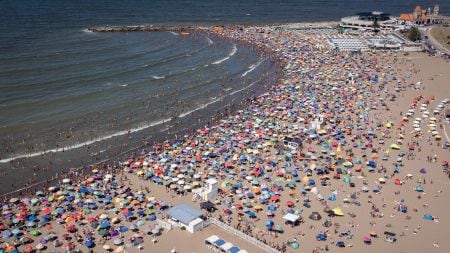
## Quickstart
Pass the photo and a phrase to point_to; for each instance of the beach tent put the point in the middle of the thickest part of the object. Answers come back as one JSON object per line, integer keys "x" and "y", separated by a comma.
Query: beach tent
{"x": 315, "y": 216}
{"x": 293, "y": 218}
{"x": 226, "y": 246}
{"x": 211, "y": 239}
{"x": 219, "y": 242}
{"x": 234, "y": 249}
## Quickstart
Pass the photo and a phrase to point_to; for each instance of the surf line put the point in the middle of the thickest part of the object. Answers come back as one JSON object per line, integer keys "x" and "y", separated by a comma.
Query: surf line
{"x": 253, "y": 67}
{"x": 203, "y": 106}
{"x": 79, "y": 145}
{"x": 233, "y": 52}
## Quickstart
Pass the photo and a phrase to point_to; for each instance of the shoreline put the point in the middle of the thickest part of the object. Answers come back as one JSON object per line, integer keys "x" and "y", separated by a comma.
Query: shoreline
{"x": 204, "y": 115}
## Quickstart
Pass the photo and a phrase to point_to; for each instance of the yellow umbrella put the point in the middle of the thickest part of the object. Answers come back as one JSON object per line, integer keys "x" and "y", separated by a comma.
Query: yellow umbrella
{"x": 389, "y": 125}
{"x": 337, "y": 211}
{"x": 305, "y": 179}
{"x": 395, "y": 146}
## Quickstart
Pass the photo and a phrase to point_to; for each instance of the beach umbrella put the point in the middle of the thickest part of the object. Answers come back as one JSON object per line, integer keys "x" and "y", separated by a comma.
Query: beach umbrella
{"x": 419, "y": 188}
{"x": 295, "y": 245}
{"x": 6, "y": 234}
{"x": 102, "y": 232}
{"x": 89, "y": 244}
{"x": 119, "y": 249}
{"x": 123, "y": 229}
{"x": 35, "y": 232}
{"x": 428, "y": 217}
{"x": 117, "y": 241}
{"x": 337, "y": 211}
{"x": 269, "y": 224}
{"x": 279, "y": 229}
{"x": 106, "y": 247}
{"x": 395, "y": 146}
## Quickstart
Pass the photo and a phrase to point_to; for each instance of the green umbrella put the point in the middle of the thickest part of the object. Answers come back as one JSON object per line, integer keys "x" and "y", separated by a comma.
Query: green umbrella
{"x": 291, "y": 185}
{"x": 347, "y": 164}
{"x": 279, "y": 229}
{"x": 51, "y": 198}
{"x": 35, "y": 232}
{"x": 294, "y": 245}
{"x": 102, "y": 232}
{"x": 150, "y": 211}
{"x": 346, "y": 180}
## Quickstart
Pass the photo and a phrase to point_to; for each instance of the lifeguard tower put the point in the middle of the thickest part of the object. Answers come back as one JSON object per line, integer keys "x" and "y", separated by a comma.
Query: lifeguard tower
{"x": 208, "y": 192}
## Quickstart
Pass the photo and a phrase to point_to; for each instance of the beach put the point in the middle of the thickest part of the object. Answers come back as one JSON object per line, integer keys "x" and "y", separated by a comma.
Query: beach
{"x": 371, "y": 164}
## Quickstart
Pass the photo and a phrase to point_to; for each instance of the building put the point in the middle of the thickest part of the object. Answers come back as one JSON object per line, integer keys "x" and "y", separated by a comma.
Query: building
{"x": 420, "y": 16}
{"x": 186, "y": 216}
{"x": 370, "y": 21}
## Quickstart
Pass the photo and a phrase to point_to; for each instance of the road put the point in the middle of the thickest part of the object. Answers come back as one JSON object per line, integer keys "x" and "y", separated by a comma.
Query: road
{"x": 432, "y": 41}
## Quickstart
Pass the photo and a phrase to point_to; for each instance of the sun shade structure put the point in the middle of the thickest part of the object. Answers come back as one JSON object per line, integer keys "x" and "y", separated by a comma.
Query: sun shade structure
{"x": 291, "y": 217}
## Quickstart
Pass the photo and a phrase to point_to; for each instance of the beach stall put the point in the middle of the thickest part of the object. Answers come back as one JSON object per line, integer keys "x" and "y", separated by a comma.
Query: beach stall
{"x": 291, "y": 218}
{"x": 184, "y": 215}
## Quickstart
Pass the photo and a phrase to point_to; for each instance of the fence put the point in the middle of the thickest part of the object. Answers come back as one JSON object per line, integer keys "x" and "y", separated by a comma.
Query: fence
{"x": 235, "y": 232}
{"x": 166, "y": 225}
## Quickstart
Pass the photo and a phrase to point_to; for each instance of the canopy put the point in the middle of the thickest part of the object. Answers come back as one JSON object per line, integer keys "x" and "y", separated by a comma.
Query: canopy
{"x": 291, "y": 217}
{"x": 337, "y": 211}
{"x": 226, "y": 246}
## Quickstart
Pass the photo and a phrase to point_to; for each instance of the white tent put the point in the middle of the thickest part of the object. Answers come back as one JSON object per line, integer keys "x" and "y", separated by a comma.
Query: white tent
{"x": 226, "y": 246}
{"x": 291, "y": 217}
{"x": 212, "y": 239}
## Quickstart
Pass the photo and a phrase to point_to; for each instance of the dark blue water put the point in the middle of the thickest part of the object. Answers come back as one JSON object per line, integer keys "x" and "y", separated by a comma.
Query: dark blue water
{"x": 62, "y": 87}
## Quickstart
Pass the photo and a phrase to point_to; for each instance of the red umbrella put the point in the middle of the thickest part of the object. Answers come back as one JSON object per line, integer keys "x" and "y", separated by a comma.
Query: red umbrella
{"x": 290, "y": 203}
{"x": 47, "y": 211}
{"x": 70, "y": 228}
{"x": 275, "y": 198}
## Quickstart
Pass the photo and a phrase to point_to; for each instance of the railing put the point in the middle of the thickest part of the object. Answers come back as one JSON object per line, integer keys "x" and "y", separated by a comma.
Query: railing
{"x": 235, "y": 232}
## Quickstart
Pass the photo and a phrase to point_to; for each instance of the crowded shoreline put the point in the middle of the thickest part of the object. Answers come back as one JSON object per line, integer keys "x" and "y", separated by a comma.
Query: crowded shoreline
{"x": 358, "y": 161}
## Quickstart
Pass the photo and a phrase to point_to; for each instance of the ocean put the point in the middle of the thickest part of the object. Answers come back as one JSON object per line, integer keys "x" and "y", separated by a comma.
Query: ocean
{"x": 82, "y": 97}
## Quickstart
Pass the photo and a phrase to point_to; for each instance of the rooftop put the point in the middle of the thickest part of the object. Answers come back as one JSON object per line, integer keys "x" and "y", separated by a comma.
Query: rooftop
{"x": 184, "y": 213}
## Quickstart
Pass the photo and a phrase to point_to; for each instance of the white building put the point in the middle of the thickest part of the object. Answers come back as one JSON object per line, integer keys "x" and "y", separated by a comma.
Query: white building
{"x": 186, "y": 216}
{"x": 366, "y": 21}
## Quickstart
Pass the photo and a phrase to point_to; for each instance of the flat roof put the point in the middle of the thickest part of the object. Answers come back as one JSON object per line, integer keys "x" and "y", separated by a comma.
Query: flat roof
{"x": 184, "y": 213}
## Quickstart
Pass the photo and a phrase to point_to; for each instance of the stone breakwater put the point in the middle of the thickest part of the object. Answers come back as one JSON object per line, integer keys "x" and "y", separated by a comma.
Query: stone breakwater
{"x": 140, "y": 28}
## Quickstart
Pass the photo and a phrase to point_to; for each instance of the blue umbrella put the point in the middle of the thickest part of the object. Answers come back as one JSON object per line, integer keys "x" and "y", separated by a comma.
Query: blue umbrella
{"x": 332, "y": 197}
{"x": 251, "y": 214}
{"x": 269, "y": 224}
{"x": 89, "y": 244}
{"x": 428, "y": 217}
{"x": 105, "y": 224}
{"x": 123, "y": 229}
{"x": 6, "y": 234}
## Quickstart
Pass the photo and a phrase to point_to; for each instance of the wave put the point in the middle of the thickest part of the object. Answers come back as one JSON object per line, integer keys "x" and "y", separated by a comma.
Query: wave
{"x": 210, "y": 42}
{"x": 233, "y": 52}
{"x": 174, "y": 33}
{"x": 79, "y": 145}
{"x": 252, "y": 67}
{"x": 215, "y": 100}
{"x": 158, "y": 77}
{"x": 246, "y": 87}
{"x": 203, "y": 106}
